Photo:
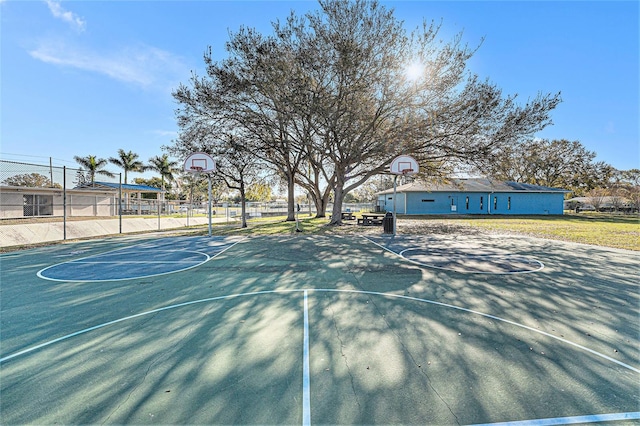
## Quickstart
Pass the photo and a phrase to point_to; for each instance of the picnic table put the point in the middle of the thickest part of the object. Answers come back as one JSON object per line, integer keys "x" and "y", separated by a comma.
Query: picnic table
{"x": 346, "y": 216}
{"x": 370, "y": 219}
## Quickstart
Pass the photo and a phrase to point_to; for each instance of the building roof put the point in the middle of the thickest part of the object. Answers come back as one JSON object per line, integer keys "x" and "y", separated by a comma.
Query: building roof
{"x": 128, "y": 187}
{"x": 472, "y": 185}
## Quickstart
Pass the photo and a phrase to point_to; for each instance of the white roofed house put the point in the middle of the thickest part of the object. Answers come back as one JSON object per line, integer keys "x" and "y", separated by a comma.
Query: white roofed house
{"x": 477, "y": 196}
{"x": 92, "y": 199}
{"x": 130, "y": 205}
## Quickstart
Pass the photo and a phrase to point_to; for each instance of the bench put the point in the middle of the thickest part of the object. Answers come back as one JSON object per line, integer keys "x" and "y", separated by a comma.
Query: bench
{"x": 371, "y": 219}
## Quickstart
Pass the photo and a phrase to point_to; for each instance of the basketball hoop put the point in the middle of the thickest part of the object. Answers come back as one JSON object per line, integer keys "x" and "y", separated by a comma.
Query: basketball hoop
{"x": 196, "y": 164}
{"x": 199, "y": 162}
{"x": 196, "y": 170}
{"x": 404, "y": 165}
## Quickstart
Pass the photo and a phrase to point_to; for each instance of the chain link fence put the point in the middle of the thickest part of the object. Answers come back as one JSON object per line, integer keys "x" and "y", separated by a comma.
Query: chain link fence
{"x": 40, "y": 203}
{"x": 32, "y": 191}
{"x": 13, "y": 173}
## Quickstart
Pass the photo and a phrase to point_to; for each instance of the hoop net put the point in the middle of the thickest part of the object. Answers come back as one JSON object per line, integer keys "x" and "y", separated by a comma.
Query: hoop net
{"x": 196, "y": 170}
{"x": 406, "y": 171}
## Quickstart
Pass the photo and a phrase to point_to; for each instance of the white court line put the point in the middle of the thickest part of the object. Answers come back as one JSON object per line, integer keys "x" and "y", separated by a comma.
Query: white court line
{"x": 306, "y": 384}
{"x": 130, "y": 262}
{"x": 153, "y": 311}
{"x": 426, "y": 265}
{"x": 596, "y": 418}
{"x": 375, "y": 293}
{"x": 471, "y": 311}
{"x": 306, "y": 380}
{"x": 173, "y": 271}
{"x": 208, "y": 258}
{"x": 483, "y": 257}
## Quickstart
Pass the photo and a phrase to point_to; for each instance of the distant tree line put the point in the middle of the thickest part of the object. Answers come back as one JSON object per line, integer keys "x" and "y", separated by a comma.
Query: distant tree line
{"x": 557, "y": 163}
{"x": 568, "y": 165}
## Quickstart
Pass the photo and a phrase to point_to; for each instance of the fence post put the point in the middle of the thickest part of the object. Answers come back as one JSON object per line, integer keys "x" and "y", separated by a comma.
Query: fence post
{"x": 120, "y": 203}
{"x": 64, "y": 202}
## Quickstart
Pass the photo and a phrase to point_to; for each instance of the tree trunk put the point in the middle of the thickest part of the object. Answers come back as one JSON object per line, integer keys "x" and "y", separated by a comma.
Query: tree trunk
{"x": 291, "y": 198}
{"x": 243, "y": 206}
{"x": 321, "y": 206}
{"x": 338, "y": 196}
{"x": 320, "y": 201}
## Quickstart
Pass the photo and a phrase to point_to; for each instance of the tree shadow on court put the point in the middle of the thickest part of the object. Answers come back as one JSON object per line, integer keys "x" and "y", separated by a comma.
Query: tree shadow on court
{"x": 228, "y": 346}
{"x": 410, "y": 362}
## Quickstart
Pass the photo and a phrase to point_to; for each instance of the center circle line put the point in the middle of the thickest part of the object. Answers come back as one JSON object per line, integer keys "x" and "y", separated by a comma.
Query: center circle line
{"x": 319, "y": 290}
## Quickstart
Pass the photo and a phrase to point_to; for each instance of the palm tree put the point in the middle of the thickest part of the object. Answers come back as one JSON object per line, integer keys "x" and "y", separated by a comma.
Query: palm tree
{"x": 94, "y": 165}
{"x": 128, "y": 161}
{"x": 164, "y": 166}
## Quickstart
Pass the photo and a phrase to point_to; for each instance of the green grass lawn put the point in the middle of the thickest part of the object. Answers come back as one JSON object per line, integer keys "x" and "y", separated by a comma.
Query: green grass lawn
{"x": 607, "y": 230}
{"x": 598, "y": 229}
{"x": 602, "y": 230}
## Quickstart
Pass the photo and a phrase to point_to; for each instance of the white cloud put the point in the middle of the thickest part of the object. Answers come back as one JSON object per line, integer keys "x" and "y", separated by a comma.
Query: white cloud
{"x": 58, "y": 12}
{"x": 165, "y": 133}
{"x": 141, "y": 65}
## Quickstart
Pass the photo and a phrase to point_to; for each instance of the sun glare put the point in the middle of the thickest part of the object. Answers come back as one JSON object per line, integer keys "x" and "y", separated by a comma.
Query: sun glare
{"x": 414, "y": 71}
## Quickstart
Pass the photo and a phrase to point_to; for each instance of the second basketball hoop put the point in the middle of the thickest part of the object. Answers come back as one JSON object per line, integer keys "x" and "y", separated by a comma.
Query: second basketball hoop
{"x": 199, "y": 162}
{"x": 404, "y": 165}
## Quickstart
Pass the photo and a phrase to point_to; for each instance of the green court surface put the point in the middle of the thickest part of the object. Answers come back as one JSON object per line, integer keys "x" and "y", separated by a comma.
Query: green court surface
{"x": 307, "y": 329}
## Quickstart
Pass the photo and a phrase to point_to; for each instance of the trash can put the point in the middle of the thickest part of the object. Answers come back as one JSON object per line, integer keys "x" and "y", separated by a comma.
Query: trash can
{"x": 387, "y": 223}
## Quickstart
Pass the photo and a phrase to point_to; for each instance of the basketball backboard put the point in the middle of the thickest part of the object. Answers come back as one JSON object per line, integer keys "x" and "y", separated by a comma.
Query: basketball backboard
{"x": 199, "y": 162}
{"x": 404, "y": 165}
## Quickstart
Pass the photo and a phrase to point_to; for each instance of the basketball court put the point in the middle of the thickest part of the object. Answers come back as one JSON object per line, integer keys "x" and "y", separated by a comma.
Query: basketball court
{"x": 300, "y": 329}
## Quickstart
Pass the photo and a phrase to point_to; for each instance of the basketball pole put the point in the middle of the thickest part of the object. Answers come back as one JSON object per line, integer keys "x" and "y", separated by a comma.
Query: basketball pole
{"x": 395, "y": 181}
{"x": 401, "y": 165}
{"x": 196, "y": 163}
{"x": 209, "y": 199}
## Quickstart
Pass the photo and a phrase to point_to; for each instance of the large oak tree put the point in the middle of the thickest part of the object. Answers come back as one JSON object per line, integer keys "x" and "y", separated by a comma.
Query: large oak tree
{"x": 327, "y": 101}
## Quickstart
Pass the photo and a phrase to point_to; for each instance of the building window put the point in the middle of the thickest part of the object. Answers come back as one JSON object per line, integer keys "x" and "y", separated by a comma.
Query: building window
{"x": 453, "y": 202}
{"x": 429, "y": 201}
{"x": 467, "y": 202}
{"x": 495, "y": 203}
{"x": 37, "y": 205}
{"x": 509, "y": 203}
{"x": 481, "y": 203}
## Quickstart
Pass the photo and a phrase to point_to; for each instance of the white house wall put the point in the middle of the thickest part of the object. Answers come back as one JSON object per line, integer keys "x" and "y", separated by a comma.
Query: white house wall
{"x": 11, "y": 205}
{"x": 78, "y": 204}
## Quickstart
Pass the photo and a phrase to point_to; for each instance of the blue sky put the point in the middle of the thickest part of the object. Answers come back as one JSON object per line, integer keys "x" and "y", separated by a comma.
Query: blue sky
{"x": 90, "y": 77}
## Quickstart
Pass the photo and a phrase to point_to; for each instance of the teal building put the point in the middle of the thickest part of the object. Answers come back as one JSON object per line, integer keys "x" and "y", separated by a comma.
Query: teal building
{"x": 473, "y": 196}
